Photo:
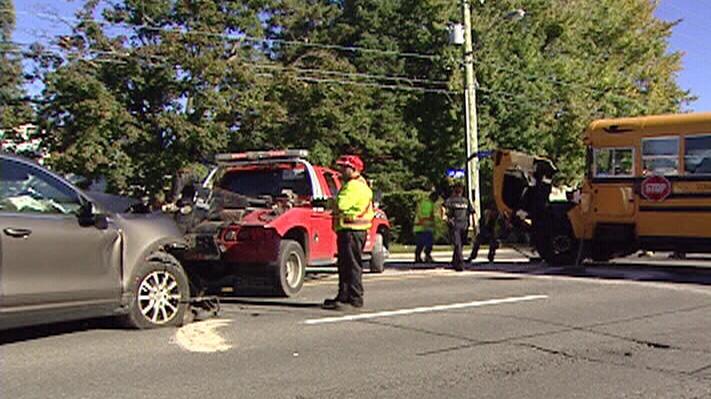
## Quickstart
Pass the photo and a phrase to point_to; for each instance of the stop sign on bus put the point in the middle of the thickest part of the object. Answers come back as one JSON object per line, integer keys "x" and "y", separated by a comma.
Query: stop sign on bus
{"x": 656, "y": 188}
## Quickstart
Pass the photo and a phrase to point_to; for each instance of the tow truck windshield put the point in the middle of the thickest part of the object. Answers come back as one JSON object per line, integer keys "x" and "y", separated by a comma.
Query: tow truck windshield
{"x": 272, "y": 181}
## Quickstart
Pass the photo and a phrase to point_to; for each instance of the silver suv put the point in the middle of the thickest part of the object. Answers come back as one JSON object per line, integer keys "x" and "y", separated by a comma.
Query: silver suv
{"x": 64, "y": 257}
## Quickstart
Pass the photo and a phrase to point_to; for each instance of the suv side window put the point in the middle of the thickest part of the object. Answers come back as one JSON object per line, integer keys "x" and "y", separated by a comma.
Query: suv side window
{"x": 660, "y": 156}
{"x": 25, "y": 189}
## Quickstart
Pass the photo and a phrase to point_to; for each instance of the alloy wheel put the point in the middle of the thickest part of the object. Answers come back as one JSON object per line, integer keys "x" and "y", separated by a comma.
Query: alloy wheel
{"x": 159, "y": 297}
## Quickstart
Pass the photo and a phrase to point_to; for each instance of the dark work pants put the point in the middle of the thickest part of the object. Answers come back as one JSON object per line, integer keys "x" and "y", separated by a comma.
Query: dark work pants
{"x": 350, "y": 266}
{"x": 457, "y": 237}
{"x": 424, "y": 241}
{"x": 481, "y": 239}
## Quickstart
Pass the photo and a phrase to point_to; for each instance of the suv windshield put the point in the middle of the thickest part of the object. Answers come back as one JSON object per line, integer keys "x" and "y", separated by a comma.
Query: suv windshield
{"x": 271, "y": 181}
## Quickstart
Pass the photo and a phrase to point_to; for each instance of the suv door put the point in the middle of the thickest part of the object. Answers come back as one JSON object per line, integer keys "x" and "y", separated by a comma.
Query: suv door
{"x": 47, "y": 259}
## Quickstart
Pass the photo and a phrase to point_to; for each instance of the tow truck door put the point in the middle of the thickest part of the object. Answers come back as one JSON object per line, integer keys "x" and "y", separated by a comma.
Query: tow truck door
{"x": 323, "y": 239}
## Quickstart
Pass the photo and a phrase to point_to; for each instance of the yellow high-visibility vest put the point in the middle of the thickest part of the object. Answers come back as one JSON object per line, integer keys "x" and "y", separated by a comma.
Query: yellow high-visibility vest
{"x": 354, "y": 206}
{"x": 425, "y": 216}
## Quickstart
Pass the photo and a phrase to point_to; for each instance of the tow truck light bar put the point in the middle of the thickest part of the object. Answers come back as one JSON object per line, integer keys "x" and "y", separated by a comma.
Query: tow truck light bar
{"x": 252, "y": 155}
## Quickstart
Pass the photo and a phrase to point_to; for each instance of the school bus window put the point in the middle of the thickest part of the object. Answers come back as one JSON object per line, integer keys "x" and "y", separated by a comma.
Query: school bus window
{"x": 613, "y": 162}
{"x": 697, "y": 155}
{"x": 660, "y": 156}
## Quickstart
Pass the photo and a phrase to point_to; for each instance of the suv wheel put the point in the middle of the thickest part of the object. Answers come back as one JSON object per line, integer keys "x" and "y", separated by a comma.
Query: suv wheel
{"x": 290, "y": 269}
{"x": 160, "y": 294}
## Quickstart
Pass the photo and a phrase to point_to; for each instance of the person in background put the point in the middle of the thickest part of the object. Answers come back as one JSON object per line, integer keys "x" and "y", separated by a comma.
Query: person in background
{"x": 492, "y": 228}
{"x": 353, "y": 215}
{"x": 458, "y": 212}
{"x": 424, "y": 227}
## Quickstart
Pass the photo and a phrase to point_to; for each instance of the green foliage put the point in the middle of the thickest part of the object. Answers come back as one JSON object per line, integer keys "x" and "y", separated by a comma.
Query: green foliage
{"x": 183, "y": 79}
{"x": 155, "y": 99}
{"x": 14, "y": 110}
{"x": 566, "y": 64}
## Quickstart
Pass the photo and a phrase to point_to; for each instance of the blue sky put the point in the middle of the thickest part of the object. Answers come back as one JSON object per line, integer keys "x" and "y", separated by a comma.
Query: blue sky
{"x": 690, "y": 36}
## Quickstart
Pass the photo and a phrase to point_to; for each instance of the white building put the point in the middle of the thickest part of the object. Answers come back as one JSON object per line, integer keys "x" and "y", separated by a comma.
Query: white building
{"x": 23, "y": 141}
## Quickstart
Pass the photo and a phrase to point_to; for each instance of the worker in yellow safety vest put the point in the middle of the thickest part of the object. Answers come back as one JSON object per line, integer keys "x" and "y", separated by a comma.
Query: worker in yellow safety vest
{"x": 425, "y": 214}
{"x": 353, "y": 216}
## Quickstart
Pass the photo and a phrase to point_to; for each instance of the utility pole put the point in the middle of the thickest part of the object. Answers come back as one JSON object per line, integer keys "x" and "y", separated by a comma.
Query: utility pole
{"x": 471, "y": 138}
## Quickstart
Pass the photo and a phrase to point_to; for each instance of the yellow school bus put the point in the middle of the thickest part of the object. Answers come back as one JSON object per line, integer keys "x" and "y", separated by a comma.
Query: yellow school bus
{"x": 647, "y": 187}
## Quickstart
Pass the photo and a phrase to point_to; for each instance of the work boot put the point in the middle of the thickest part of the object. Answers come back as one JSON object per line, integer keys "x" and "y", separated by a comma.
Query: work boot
{"x": 333, "y": 303}
{"x": 338, "y": 305}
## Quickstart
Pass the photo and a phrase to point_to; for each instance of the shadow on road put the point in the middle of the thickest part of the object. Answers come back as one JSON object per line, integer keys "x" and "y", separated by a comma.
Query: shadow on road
{"x": 269, "y": 302}
{"x": 50, "y": 330}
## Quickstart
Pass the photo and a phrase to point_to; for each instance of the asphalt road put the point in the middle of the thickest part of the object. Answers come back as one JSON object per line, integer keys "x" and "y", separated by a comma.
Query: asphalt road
{"x": 514, "y": 329}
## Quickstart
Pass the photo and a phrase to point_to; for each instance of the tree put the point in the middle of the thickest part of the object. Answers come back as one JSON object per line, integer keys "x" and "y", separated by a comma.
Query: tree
{"x": 151, "y": 86}
{"x": 568, "y": 63}
{"x": 14, "y": 109}
{"x": 360, "y": 89}
{"x": 167, "y": 91}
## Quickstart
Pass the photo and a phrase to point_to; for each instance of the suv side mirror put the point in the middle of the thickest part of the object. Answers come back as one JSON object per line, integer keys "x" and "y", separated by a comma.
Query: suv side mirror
{"x": 89, "y": 216}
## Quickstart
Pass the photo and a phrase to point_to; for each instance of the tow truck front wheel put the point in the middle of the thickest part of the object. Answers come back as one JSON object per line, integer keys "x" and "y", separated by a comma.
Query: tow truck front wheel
{"x": 290, "y": 269}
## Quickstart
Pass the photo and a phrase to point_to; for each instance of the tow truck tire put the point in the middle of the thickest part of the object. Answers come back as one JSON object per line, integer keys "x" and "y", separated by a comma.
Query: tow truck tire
{"x": 378, "y": 254}
{"x": 160, "y": 293}
{"x": 290, "y": 269}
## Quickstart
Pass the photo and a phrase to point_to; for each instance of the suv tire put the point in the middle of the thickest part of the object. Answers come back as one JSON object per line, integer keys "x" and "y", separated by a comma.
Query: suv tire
{"x": 160, "y": 293}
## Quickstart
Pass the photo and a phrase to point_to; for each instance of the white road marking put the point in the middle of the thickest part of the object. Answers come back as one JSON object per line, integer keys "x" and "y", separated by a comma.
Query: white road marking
{"x": 438, "y": 308}
{"x": 202, "y": 336}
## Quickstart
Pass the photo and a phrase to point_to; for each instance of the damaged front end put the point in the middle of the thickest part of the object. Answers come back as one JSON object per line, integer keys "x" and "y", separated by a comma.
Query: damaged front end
{"x": 522, "y": 189}
{"x": 226, "y": 231}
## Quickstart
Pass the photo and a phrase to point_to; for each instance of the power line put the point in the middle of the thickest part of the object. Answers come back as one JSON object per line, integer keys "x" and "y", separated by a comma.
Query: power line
{"x": 334, "y": 73}
{"x": 376, "y": 85}
{"x": 256, "y": 66}
{"x": 503, "y": 96}
{"x": 349, "y": 74}
{"x": 348, "y": 48}
{"x": 239, "y": 38}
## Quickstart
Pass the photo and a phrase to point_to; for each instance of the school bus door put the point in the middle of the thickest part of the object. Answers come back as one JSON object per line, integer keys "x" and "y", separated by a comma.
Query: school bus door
{"x": 612, "y": 188}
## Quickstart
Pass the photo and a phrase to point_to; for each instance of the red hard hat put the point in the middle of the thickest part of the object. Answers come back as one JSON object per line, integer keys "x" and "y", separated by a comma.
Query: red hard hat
{"x": 353, "y": 161}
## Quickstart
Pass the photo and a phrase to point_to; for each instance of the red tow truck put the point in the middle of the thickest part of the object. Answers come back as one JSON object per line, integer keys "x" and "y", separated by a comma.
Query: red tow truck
{"x": 261, "y": 218}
